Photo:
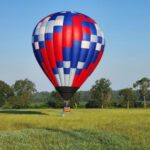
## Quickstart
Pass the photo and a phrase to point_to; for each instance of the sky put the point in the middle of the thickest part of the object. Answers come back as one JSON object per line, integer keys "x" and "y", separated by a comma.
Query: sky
{"x": 126, "y": 27}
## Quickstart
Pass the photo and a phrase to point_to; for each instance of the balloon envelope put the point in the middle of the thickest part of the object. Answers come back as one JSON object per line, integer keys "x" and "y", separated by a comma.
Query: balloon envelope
{"x": 68, "y": 46}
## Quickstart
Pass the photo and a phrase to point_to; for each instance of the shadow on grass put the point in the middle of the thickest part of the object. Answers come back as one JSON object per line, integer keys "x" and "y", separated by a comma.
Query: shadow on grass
{"x": 77, "y": 134}
{"x": 108, "y": 140}
{"x": 21, "y": 112}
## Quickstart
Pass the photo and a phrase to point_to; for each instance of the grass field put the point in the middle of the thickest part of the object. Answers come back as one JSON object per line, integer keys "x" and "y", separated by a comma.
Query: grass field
{"x": 81, "y": 129}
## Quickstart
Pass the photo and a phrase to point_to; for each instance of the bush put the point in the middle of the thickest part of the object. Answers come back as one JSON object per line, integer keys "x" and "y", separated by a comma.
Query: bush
{"x": 55, "y": 103}
{"x": 7, "y": 106}
{"x": 140, "y": 104}
{"x": 82, "y": 104}
{"x": 92, "y": 104}
{"x": 38, "y": 105}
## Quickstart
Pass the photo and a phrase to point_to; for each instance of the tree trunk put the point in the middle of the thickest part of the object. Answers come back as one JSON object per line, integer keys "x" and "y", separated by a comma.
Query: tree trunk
{"x": 128, "y": 104}
{"x": 144, "y": 102}
{"x": 102, "y": 106}
{"x": 76, "y": 106}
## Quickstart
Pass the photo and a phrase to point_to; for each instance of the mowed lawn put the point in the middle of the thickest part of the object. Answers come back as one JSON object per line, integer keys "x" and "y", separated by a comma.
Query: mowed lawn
{"x": 81, "y": 129}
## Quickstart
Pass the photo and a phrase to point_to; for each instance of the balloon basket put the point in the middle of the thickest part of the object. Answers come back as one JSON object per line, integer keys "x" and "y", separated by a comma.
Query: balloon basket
{"x": 66, "y": 106}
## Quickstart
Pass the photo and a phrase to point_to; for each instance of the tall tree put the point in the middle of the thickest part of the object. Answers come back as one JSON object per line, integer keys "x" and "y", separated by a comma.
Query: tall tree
{"x": 55, "y": 95}
{"x": 55, "y": 101}
{"x": 102, "y": 92}
{"x": 23, "y": 90}
{"x": 5, "y": 92}
{"x": 75, "y": 99}
{"x": 128, "y": 96}
{"x": 41, "y": 97}
{"x": 24, "y": 87}
{"x": 143, "y": 85}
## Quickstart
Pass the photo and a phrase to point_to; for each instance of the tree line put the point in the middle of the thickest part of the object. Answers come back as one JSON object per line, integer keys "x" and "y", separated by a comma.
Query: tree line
{"x": 23, "y": 94}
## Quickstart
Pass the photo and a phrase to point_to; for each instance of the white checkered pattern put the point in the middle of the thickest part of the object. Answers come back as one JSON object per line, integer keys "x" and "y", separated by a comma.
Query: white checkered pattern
{"x": 98, "y": 47}
{"x": 80, "y": 65}
{"x": 40, "y": 31}
{"x": 36, "y": 45}
{"x": 72, "y": 74}
{"x": 59, "y": 21}
{"x": 66, "y": 79}
{"x": 61, "y": 76}
{"x": 41, "y": 37}
{"x": 42, "y": 28}
{"x": 93, "y": 38}
{"x": 37, "y": 28}
{"x": 85, "y": 44}
{"x": 103, "y": 41}
{"x": 99, "y": 32}
{"x": 66, "y": 64}
{"x": 58, "y": 79}
{"x": 50, "y": 26}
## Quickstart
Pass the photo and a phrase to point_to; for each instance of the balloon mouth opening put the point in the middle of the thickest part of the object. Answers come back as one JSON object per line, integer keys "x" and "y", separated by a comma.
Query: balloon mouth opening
{"x": 66, "y": 92}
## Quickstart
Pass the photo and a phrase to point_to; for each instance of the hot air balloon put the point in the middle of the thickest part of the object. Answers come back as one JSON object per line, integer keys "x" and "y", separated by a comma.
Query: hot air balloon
{"x": 68, "y": 46}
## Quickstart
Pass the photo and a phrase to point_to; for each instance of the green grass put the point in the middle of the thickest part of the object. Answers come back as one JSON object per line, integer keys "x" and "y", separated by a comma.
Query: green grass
{"x": 83, "y": 129}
